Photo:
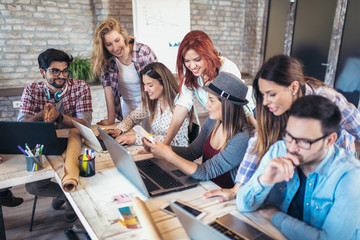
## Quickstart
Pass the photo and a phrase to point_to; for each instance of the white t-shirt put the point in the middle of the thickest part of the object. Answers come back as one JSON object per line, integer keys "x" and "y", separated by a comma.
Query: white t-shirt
{"x": 186, "y": 98}
{"x": 129, "y": 87}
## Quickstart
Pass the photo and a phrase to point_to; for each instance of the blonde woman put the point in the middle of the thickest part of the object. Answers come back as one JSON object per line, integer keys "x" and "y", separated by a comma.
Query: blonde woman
{"x": 118, "y": 59}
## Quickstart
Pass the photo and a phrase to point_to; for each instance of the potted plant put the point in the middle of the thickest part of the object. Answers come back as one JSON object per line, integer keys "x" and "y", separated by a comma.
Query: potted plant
{"x": 80, "y": 68}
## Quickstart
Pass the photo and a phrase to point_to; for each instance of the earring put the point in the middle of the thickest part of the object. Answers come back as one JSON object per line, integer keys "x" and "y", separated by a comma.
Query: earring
{"x": 293, "y": 93}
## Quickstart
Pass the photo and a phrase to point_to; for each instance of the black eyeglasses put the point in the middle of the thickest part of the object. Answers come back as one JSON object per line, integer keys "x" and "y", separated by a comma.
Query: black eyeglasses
{"x": 56, "y": 72}
{"x": 302, "y": 142}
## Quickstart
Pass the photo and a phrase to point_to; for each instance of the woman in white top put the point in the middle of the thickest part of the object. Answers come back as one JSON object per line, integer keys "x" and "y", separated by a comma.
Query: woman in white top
{"x": 158, "y": 91}
{"x": 198, "y": 62}
{"x": 118, "y": 59}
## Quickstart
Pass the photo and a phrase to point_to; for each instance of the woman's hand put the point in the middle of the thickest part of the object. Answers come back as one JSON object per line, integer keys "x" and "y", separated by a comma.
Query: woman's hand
{"x": 126, "y": 139}
{"x": 114, "y": 132}
{"x": 159, "y": 150}
{"x": 106, "y": 122}
{"x": 226, "y": 193}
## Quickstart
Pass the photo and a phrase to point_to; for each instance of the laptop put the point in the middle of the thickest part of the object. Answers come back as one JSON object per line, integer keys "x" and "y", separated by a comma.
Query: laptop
{"x": 91, "y": 140}
{"x": 226, "y": 227}
{"x": 151, "y": 176}
{"x": 32, "y": 133}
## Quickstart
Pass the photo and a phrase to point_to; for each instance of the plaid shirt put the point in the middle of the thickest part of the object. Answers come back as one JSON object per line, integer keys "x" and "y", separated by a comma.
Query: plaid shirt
{"x": 76, "y": 100}
{"x": 142, "y": 55}
{"x": 349, "y": 129}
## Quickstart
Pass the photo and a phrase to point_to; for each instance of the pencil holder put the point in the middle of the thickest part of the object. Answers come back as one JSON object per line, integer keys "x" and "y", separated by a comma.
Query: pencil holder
{"x": 86, "y": 166}
{"x": 34, "y": 164}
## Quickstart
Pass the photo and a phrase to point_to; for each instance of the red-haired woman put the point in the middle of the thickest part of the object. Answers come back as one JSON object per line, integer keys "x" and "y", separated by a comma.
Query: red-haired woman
{"x": 198, "y": 62}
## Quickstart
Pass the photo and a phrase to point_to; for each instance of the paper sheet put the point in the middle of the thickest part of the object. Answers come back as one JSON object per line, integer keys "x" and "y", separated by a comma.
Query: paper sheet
{"x": 71, "y": 166}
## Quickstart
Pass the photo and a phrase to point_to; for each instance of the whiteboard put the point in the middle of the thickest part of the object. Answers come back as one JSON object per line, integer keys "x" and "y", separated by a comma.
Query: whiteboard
{"x": 162, "y": 24}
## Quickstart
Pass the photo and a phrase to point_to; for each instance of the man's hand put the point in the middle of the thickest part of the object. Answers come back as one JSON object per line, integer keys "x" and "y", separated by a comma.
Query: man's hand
{"x": 268, "y": 212}
{"x": 279, "y": 169}
{"x": 50, "y": 113}
{"x": 126, "y": 139}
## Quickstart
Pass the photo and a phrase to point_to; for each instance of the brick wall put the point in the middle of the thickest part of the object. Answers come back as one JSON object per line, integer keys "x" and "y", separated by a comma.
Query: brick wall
{"x": 28, "y": 27}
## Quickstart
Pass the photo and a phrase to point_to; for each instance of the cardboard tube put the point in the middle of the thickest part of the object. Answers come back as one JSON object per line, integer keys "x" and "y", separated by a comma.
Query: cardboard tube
{"x": 71, "y": 165}
{"x": 146, "y": 221}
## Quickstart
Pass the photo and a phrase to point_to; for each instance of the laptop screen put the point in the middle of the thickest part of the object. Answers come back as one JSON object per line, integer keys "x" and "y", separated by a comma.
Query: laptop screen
{"x": 32, "y": 133}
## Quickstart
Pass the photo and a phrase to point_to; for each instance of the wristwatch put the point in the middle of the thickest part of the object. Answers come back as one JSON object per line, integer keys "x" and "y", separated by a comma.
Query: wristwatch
{"x": 60, "y": 118}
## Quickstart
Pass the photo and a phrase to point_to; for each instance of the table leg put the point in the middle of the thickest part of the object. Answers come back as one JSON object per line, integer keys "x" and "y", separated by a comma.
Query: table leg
{"x": 2, "y": 227}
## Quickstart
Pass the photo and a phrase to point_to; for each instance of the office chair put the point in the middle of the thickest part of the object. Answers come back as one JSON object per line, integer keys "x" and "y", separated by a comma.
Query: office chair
{"x": 193, "y": 131}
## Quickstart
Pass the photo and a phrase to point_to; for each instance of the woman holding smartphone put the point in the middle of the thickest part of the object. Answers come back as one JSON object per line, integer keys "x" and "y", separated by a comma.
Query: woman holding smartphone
{"x": 158, "y": 91}
{"x": 198, "y": 62}
{"x": 223, "y": 138}
{"x": 278, "y": 83}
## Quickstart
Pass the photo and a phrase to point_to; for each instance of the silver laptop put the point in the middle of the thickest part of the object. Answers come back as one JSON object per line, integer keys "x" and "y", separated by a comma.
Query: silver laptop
{"x": 91, "y": 139}
{"x": 225, "y": 227}
{"x": 151, "y": 176}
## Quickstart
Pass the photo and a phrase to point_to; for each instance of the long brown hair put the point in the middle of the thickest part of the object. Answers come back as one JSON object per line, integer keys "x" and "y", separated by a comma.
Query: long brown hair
{"x": 233, "y": 119}
{"x": 282, "y": 70}
{"x": 100, "y": 55}
{"x": 161, "y": 73}
{"x": 202, "y": 45}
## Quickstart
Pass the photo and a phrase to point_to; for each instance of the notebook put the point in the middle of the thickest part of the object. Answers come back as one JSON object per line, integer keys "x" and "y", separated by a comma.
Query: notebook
{"x": 225, "y": 227}
{"x": 151, "y": 176}
{"x": 32, "y": 133}
{"x": 91, "y": 139}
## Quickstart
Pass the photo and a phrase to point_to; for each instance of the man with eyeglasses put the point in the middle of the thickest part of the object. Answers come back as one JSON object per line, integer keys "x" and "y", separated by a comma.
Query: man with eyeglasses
{"x": 306, "y": 185}
{"x": 57, "y": 99}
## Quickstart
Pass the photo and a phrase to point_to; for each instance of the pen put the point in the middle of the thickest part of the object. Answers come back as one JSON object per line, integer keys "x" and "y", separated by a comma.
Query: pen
{"x": 22, "y": 150}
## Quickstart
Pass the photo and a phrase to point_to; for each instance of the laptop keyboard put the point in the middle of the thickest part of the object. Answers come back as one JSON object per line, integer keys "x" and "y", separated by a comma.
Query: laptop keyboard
{"x": 226, "y": 231}
{"x": 101, "y": 142}
{"x": 160, "y": 176}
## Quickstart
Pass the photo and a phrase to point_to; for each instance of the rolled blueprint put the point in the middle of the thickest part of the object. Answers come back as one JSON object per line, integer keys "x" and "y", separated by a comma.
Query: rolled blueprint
{"x": 147, "y": 223}
{"x": 71, "y": 165}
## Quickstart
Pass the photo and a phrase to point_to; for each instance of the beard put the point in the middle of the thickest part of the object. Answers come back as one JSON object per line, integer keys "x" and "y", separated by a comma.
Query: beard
{"x": 58, "y": 85}
{"x": 310, "y": 160}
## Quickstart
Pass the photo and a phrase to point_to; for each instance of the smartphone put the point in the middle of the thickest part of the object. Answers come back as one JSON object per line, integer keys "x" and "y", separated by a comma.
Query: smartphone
{"x": 143, "y": 133}
{"x": 194, "y": 211}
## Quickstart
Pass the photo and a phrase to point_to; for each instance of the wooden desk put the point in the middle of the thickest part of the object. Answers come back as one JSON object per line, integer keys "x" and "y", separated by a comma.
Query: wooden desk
{"x": 94, "y": 205}
{"x": 13, "y": 172}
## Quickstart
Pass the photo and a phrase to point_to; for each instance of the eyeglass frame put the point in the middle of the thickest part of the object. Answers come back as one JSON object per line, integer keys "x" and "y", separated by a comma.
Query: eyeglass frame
{"x": 311, "y": 142}
{"x": 59, "y": 71}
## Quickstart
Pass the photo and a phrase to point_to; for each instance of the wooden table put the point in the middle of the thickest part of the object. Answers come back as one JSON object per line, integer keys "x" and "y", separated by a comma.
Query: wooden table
{"x": 13, "y": 172}
{"x": 93, "y": 202}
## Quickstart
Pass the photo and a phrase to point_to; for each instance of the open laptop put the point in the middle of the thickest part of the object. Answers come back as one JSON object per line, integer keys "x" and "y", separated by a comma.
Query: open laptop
{"x": 91, "y": 139}
{"x": 226, "y": 227}
{"x": 151, "y": 176}
{"x": 13, "y": 134}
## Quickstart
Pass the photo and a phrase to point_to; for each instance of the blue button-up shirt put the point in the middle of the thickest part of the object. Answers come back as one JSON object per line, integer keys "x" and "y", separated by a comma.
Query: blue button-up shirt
{"x": 331, "y": 201}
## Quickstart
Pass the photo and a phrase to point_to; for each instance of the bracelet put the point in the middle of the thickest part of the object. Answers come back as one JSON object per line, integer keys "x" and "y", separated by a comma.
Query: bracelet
{"x": 60, "y": 118}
